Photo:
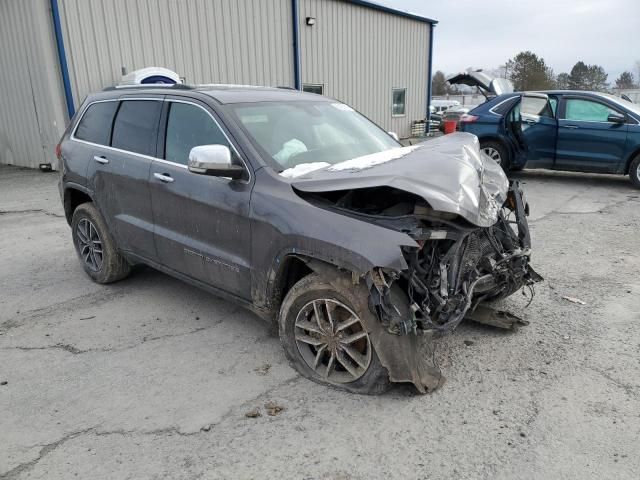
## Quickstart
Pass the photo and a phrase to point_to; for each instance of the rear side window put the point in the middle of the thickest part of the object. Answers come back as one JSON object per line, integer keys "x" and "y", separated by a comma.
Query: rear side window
{"x": 189, "y": 126}
{"x": 538, "y": 106}
{"x": 95, "y": 124}
{"x": 136, "y": 126}
{"x": 503, "y": 107}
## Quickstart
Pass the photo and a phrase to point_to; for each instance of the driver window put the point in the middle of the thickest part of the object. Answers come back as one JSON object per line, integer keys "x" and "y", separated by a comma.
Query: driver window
{"x": 579, "y": 109}
{"x": 189, "y": 126}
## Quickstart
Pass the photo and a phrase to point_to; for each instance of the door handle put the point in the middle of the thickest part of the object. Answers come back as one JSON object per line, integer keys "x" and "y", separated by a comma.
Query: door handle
{"x": 570, "y": 126}
{"x": 101, "y": 159}
{"x": 163, "y": 177}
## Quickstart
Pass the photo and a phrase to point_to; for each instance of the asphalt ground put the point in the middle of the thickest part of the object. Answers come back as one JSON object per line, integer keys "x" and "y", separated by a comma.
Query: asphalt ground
{"x": 151, "y": 378}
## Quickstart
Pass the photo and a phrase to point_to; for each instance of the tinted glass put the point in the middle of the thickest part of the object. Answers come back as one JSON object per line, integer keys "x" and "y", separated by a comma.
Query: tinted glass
{"x": 189, "y": 126}
{"x": 302, "y": 132}
{"x": 136, "y": 126}
{"x": 504, "y": 107}
{"x": 95, "y": 124}
{"x": 399, "y": 96}
{"x": 587, "y": 111}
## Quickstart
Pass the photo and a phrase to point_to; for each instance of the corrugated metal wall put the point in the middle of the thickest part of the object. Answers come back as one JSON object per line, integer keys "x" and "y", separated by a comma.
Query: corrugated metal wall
{"x": 206, "y": 41}
{"x": 32, "y": 112}
{"x": 360, "y": 55}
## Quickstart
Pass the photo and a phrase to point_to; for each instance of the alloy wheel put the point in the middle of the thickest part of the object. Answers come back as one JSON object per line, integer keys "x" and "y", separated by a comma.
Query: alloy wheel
{"x": 332, "y": 340}
{"x": 493, "y": 154}
{"x": 89, "y": 245}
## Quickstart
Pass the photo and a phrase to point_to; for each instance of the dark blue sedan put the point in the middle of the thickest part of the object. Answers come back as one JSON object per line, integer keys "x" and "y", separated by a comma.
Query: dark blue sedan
{"x": 559, "y": 130}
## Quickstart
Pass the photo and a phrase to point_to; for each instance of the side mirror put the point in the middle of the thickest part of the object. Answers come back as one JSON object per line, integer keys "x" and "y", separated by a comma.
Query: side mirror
{"x": 617, "y": 118}
{"x": 214, "y": 160}
{"x": 394, "y": 135}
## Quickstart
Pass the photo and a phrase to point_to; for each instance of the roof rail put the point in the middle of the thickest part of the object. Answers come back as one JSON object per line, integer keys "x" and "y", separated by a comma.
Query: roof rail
{"x": 174, "y": 86}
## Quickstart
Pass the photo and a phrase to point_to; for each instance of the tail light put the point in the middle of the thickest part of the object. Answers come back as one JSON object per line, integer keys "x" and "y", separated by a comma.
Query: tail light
{"x": 466, "y": 118}
{"x": 59, "y": 151}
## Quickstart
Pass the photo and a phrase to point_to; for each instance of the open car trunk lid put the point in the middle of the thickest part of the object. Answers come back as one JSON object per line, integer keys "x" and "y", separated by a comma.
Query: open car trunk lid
{"x": 489, "y": 85}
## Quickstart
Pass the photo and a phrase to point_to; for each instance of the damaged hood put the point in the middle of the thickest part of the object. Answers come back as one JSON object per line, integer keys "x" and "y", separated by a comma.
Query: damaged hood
{"x": 450, "y": 173}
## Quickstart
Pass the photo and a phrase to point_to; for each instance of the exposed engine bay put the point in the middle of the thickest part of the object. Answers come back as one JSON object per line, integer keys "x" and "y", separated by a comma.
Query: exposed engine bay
{"x": 463, "y": 242}
{"x": 456, "y": 266}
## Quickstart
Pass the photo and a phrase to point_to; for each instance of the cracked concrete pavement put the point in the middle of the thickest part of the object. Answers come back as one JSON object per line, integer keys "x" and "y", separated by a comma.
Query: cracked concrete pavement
{"x": 150, "y": 378}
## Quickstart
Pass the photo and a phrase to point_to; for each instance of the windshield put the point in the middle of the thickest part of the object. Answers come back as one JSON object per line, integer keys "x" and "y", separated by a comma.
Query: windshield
{"x": 632, "y": 107}
{"x": 295, "y": 133}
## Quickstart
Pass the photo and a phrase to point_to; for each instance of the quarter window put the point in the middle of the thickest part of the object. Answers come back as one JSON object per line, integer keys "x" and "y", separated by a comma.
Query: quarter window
{"x": 189, "y": 126}
{"x": 579, "y": 109}
{"x": 398, "y": 101}
{"x": 136, "y": 126}
{"x": 95, "y": 124}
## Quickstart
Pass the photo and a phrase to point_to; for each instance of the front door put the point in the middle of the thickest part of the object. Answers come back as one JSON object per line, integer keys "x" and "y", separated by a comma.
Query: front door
{"x": 588, "y": 141}
{"x": 535, "y": 128}
{"x": 202, "y": 226}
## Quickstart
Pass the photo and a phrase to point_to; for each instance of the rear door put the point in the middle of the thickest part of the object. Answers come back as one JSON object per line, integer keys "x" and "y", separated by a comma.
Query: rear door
{"x": 202, "y": 225}
{"x": 118, "y": 173}
{"x": 587, "y": 140}
{"x": 535, "y": 127}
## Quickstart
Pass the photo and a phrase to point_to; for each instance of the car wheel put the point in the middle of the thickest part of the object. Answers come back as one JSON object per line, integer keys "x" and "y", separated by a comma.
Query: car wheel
{"x": 324, "y": 337}
{"x": 634, "y": 172}
{"x": 496, "y": 152}
{"x": 95, "y": 246}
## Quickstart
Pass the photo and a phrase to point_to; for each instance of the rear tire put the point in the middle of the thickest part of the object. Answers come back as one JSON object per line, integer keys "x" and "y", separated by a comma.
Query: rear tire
{"x": 634, "y": 172}
{"x": 311, "y": 344}
{"x": 95, "y": 246}
{"x": 497, "y": 152}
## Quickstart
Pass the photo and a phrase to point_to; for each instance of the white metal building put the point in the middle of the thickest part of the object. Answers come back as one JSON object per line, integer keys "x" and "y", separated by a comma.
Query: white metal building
{"x": 54, "y": 52}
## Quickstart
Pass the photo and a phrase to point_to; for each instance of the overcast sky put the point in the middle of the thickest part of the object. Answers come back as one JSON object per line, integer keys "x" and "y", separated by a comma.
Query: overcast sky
{"x": 485, "y": 33}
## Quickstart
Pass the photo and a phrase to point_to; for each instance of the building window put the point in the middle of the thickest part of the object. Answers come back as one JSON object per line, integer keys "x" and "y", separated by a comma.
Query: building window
{"x": 313, "y": 88}
{"x": 398, "y": 102}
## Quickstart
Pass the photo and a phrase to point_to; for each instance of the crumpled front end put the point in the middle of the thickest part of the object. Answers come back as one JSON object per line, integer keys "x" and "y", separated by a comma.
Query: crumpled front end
{"x": 454, "y": 270}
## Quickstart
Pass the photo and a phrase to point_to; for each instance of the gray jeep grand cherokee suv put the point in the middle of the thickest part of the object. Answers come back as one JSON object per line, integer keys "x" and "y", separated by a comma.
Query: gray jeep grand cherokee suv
{"x": 304, "y": 211}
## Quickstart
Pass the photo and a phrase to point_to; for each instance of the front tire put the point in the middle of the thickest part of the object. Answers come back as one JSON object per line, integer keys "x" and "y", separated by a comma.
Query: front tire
{"x": 325, "y": 339}
{"x": 497, "y": 152}
{"x": 634, "y": 172}
{"x": 95, "y": 246}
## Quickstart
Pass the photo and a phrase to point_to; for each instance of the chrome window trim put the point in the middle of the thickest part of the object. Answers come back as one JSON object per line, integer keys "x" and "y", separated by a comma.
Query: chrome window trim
{"x": 608, "y": 123}
{"x": 84, "y": 111}
{"x": 73, "y": 137}
{"x": 497, "y": 105}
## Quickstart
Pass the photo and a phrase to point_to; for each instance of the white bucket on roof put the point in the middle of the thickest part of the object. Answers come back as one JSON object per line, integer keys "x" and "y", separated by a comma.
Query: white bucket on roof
{"x": 151, "y": 75}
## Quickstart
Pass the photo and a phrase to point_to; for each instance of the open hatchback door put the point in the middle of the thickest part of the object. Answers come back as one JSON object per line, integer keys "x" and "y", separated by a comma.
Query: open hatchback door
{"x": 488, "y": 86}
